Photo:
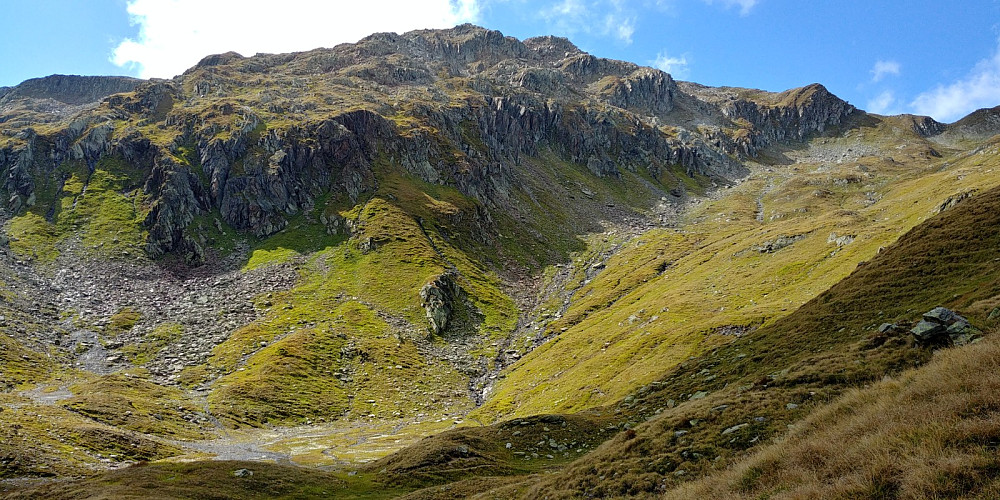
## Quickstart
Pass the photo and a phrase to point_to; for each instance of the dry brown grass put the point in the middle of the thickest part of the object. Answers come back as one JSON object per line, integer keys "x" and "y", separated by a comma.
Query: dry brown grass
{"x": 931, "y": 433}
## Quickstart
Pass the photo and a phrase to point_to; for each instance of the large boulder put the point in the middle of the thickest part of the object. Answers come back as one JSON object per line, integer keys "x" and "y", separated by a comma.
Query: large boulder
{"x": 438, "y": 298}
{"x": 944, "y": 325}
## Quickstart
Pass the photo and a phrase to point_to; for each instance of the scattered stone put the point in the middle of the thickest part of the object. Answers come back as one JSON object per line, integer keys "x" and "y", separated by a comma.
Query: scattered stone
{"x": 841, "y": 240}
{"x": 926, "y": 331}
{"x": 242, "y": 473}
{"x": 771, "y": 246}
{"x": 734, "y": 428}
{"x": 940, "y": 315}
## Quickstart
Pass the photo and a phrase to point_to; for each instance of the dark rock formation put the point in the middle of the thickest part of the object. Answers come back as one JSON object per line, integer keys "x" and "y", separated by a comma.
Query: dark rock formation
{"x": 944, "y": 325}
{"x": 793, "y": 114}
{"x": 70, "y": 89}
{"x": 439, "y": 299}
{"x": 479, "y": 105}
{"x": 954, "y": 200}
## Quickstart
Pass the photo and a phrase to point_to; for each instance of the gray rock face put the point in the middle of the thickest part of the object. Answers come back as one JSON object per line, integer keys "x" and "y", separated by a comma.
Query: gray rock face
{"x": 522, "y": 100}
{"x": 954, "y": 200}
{"x": 771, "y": 246}
{"x": 71, "y": 89}
{"x": 791, "y": 115}
{"x": 438, "y": 298}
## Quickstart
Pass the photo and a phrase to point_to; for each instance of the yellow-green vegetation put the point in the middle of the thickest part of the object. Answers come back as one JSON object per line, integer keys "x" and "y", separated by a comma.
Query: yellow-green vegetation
{"x": 212, "y": 479}
{"x": 152, "y": 343}
{"x": 128, "y": 400}
{"x": 345, "y": 362}
{"x": 105, "y": 209}
{"x": 516, "y": 447}
{"x": 323, "y": 350}
{"x": 32, "y": 236}
{"x": 672, "y": 351}
{"x": 930, "y": 433}
{"x": 748, "y": 390}
{"x": 122, "y": 321}
{"x": 46, "y": 440}
{"x": 299, "y": 238}
{"x": 729, "y": 269}
{"x": 19, "y": 365}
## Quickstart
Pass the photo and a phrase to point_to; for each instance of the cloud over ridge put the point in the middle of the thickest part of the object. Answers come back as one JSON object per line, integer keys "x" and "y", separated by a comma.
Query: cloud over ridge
{"x": 176, "y": 34}
{"x": 979, "y": 89}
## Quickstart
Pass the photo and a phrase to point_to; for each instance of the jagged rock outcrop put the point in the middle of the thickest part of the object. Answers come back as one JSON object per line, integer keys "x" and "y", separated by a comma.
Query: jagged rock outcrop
{"x": 179, "y": 197}
{"x": 925, "y": 125}
{"x": 256, "y": 185}
{"x": 793, "y": 114}
{"x": 261, "y": 138}
{"x": 439, "y": 298}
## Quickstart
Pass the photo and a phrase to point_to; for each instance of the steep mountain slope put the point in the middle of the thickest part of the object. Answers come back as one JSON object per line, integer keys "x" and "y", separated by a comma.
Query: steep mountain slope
{"x": 324, "y": 257}
{"x": 704, "y": 412}
{"x": 796, "y": 368}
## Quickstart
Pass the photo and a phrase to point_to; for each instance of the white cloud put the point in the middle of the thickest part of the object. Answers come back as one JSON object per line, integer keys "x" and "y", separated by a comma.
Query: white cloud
{"x": 744, "y": 5}
{"x": 980, "y": 89}
{"x": 884, "y": 68}
{"x": 607, "y": 18}
{"x": 176, "y": 34}
{"x": 676, "y": 66}
{"x": 883, "y": 104}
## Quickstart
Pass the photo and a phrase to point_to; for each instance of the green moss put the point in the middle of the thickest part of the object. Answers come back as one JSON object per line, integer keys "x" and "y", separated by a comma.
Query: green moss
{"x": 342, "y": 361}
{"x": 301, "y": 237}
{"x": 33, "y": 237}
{"x": 104, "y": 208}
{"x": 130, "y": 401}
{"x": 216, "y": 479}
{"x": 122, "y": 321}
{"x": 108, "y": 219}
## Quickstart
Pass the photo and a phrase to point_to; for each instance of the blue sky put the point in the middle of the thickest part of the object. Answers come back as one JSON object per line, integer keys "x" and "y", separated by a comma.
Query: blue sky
{"x": 928, "y": 57}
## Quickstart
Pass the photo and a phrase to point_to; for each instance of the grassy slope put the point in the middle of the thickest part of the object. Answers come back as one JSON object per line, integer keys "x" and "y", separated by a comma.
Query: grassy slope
{"x": 45, "y": 440}
{"x": 354, "y": 302}
{"x": 632, "y": 321}
{"x": 209, "y": 480}
{"x": 103, "y": 209}
{"x": 931, "y": 433}
{"x": 288, "y": 367}
{"x": 806, "y": 358}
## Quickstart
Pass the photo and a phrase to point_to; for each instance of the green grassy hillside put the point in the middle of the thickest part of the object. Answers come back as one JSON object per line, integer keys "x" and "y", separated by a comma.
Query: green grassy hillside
{"x": 750, "y": 256}
{"x": 449, "y": 263}
{"x": 704, "y": 412}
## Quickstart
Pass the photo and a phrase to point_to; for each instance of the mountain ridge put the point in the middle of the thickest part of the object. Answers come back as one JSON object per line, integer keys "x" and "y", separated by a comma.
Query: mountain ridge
{"x": 515, "y": 247}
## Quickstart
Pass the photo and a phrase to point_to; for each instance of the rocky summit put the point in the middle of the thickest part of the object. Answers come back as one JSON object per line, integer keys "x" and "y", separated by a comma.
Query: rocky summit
{"x": 451, "y": 263}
